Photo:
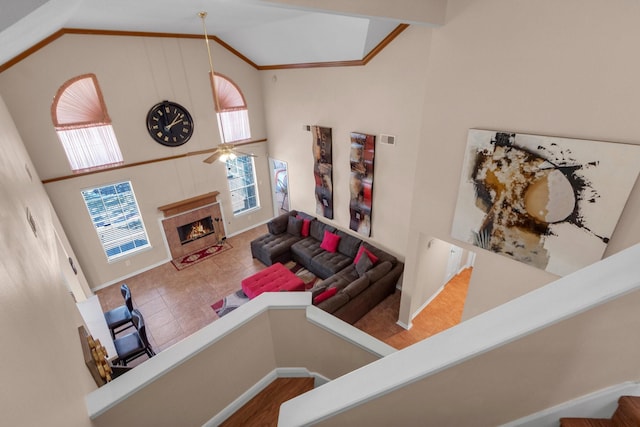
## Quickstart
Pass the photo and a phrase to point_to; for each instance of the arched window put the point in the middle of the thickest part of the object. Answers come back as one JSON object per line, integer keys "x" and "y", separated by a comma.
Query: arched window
{"x": 83, "y": 125}
{"x": 233, "y": 116}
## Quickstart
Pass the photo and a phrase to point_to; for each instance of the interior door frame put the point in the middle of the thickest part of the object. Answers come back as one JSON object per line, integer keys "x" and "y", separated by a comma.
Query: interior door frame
{"x": 279, "y": 171}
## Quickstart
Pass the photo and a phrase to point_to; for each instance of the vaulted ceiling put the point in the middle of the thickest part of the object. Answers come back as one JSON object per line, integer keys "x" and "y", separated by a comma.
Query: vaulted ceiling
{"x": 268, "y": 33}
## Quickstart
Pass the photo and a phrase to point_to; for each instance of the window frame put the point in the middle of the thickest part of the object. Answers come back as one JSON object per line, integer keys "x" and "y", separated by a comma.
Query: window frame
{"x": 231, "y": 163}
{"x": 109, "y": 215}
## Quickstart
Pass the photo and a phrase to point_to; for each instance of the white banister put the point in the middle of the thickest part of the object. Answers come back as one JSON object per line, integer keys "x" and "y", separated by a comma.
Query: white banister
{"x": 543, "y": 307}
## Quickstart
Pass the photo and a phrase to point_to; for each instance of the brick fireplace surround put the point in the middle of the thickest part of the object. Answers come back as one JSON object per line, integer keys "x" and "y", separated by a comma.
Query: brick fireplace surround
{"x": 187, "y": 211}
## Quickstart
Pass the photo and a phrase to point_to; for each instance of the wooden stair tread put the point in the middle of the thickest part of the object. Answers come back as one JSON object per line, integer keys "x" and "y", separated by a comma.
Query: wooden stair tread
{"x": 264, "y": 408}
{"x": 586, "y": 422}
{"x": 628, "y": 412}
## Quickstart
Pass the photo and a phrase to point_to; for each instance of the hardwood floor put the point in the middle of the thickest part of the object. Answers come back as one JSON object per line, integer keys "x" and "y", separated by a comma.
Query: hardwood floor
{"x": 175, "y": 303}
{"x": 442, "y": 313}
{"x": 263, "y": 410}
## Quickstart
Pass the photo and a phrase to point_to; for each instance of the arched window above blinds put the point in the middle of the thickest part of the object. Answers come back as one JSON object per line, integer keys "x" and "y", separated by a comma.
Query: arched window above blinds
{"x": 79, "y": 103}
{"x": 233, "y": 115}
{"x": 82, "y": 123}
{"x": 229, "y": 96}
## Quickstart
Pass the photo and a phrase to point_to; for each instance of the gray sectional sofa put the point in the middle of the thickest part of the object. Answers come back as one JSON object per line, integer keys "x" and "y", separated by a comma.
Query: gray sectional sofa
{"x": 347, "y": 289}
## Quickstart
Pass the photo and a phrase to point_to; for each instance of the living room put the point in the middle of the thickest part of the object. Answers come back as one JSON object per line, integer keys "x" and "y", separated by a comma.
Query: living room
{"x": 564, "y": 69}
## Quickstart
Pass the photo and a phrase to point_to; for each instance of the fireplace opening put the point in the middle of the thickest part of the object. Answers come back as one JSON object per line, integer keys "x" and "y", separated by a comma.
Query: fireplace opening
{"x": 195, "y": 230}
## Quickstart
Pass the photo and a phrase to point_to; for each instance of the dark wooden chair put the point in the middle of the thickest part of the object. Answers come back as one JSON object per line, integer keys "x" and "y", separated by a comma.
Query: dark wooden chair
{"x": 119, "y": 319}
{"x": 135, "y": 344}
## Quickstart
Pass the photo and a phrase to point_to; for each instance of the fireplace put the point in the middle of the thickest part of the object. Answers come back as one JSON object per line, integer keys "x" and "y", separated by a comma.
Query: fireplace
{"x": 192, "y": 224}
{"x": 195, "y": 230}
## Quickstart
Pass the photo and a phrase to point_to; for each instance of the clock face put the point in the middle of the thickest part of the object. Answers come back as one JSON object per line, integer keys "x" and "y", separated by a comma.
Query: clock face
{"x": 169, "y": 124}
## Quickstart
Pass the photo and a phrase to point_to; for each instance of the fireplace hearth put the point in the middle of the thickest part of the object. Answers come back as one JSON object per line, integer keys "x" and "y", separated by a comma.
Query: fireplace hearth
{"x": 195, "y": 230}
{"x": 192, "y": 224}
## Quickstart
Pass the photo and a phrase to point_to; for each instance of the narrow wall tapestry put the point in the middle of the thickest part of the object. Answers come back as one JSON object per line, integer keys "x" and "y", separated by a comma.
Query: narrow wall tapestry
{"x": 322, "y": 170}
{"x": 361, "y": 184}
{"x": 552, "y": 203}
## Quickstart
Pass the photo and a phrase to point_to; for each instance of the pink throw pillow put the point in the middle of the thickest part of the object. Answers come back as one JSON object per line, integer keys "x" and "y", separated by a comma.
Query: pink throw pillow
{"x": 330, "y": 241}
{"x": 306, "y": 226}
{"x": 325, "y": 295}
{"x": 372, "y": 257}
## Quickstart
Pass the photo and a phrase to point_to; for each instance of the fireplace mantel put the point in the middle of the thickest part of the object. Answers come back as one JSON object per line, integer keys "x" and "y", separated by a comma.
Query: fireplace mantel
{"x": 189, "y": 204}
{"x": 190, "y": 211}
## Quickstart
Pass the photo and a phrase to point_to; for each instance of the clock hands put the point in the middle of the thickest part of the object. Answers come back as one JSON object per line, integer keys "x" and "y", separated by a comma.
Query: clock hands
{"x": 175, "y": 121}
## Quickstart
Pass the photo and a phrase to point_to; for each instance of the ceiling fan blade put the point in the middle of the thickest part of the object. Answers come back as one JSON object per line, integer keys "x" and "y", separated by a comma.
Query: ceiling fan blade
{"x": 212, "y": 158}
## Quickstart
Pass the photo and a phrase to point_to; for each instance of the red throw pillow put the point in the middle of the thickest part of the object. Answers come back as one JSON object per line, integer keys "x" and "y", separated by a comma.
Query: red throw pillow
{"x": 306, "y": 225}
{"x": 372, "y": 257}
{"x": 330, "y": 241}
{"x": 325, "y": 295}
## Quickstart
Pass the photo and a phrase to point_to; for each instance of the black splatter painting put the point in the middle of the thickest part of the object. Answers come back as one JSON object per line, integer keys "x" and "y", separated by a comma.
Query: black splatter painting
{"x": 542, "y": 200}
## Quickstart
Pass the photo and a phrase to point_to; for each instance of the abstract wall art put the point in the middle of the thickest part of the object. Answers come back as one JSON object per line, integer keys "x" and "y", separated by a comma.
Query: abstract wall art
{"x": 323, "y": 170}
{"x": 361, "y": 182}
{"x": 549, "y": 202}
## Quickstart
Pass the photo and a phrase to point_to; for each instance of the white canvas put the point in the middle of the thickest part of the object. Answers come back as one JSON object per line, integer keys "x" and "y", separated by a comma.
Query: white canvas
{"x": 550, "y": 202}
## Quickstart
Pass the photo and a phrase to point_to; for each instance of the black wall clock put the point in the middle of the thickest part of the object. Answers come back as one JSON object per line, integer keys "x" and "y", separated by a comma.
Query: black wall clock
{"x": 169, "y": 123}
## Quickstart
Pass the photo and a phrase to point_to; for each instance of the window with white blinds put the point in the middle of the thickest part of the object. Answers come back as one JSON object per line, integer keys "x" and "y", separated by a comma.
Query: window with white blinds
{"x": 242, "y": 184}
{"x": 116, "y": 217}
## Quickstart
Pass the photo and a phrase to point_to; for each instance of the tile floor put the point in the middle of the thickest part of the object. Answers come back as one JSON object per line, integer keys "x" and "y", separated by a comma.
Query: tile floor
{"x": 175, "y": 303}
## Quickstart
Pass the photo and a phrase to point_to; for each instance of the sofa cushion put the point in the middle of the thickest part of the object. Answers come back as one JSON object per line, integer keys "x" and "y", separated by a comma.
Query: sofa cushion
{"x": 318, "y": 288}
{"x": 294, "y": 226}
{"x": 271, "y": 247}
{"x": 357, "y": 286}
{"x": 304, "y": 250}
{"x": 324, "y": 295}
{"x": 305, "y": 215}
{"x": 348, "y": 244}
{"x": 378, "y": 271}
{"x": 361, "y": 250}
{"x": 335, "y": 302}
{"x": 326, "y": 264}
{"x": 364, "y": 264}
{"x": 330, "y": 241}
{"x": 317, "y": 228}
{"x": 306, "y": 225}
{"x": 382, "y": 255}
{"x": 335, "y": 281}
{"x": 278, "y": 225}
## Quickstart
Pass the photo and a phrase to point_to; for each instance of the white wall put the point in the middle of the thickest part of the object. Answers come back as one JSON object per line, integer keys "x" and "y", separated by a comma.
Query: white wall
{"x": 44, "y": 378}
{"x": 134, "y": 73}
{"x": 551, "y": 68}
{"x": 386, "y": 96}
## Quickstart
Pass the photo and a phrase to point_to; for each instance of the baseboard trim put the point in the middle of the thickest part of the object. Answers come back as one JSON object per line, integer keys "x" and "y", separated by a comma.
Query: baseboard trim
{"x": 404, "y": 325}
{"x": 261, "y": 385}
{"x": 599, "y": 404}
{"x": 134, "y": 273}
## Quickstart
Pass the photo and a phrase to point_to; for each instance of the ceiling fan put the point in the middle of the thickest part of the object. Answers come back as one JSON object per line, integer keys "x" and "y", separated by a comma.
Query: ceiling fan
{"x": 225, "y": 150}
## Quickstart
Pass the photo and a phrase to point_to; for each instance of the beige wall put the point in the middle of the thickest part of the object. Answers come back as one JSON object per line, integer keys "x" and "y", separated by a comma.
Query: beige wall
{"x": 134, "y": 73}
{"x": 551, "y": 68}
{"x": 386, "y": 96}
{"x": 197, "y": 390}
{"x": 570, "y": 359}
{"x": 44, "y": 378}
